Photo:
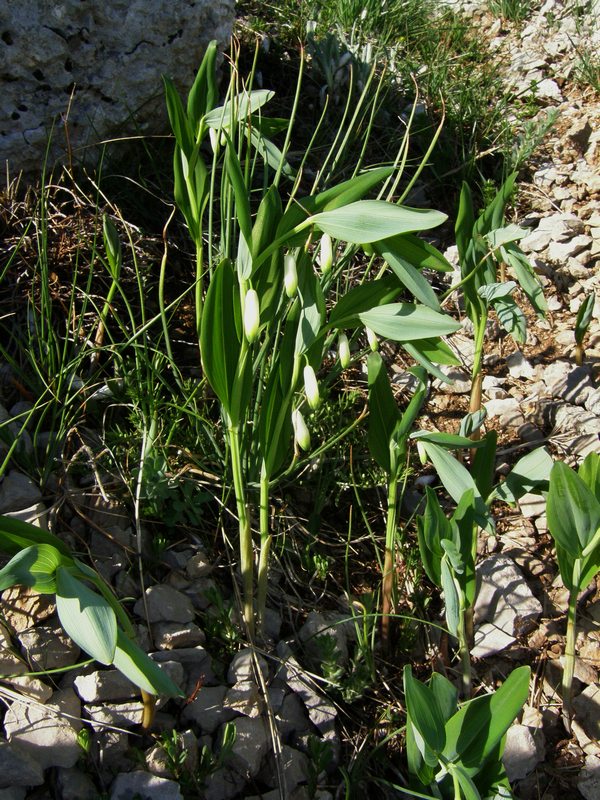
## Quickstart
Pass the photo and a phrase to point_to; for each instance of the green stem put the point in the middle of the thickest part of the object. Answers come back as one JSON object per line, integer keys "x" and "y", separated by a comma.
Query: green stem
{"x": 569, "y": 668}
{"x": 465, "y": 629}
{"x": 265, "y": 546}
{"x": 245, "y": 533}
{"x": 199, "y": 288}
{"x": 387, "y": 582}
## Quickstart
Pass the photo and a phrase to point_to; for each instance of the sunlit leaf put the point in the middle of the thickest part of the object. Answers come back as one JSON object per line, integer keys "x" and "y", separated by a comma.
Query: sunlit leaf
{"x": 572, "y": 509}
{"x": 424, "y": 711}
{"x": 404, "y": 322}
{"x": 34, "y": 567}
{"x": 373, "y": 220}
{"x": 141, "y": 670}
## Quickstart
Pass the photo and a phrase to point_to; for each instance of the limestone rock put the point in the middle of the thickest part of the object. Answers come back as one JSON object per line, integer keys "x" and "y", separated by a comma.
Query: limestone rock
{"x": 144, "y": 786}
{"x": 45, "y": 732}
{"x": 166, "y": 604}
{"x": 104, "y": 685}
{"x": 18, "y": 767}
{"x": 49, "y": 647}
{"x": 102, "y": 61}
{"x": 243, "y": 666}
{"x": 207, "y": 710}
{"x": 250, "y": 746}
{"x": 18, "y": 491}
{"x": 171, "y": 635}
{"x": 589, "y": 778}
{"x": 521, "y": 753}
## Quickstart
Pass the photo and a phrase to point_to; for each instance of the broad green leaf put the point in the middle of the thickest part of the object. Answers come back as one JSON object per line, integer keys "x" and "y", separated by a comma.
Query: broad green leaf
{"x": 492, "y": 217}
{"x": 473, "y": 733}
{"x": 584, "y": 317}
{"x": 425, "y": 713}
{"x": 411, "y": 412}
{"x": 312, "y": 307}
{"x": 220, "y": 344}
{"x": 34, "y": 567}
{"x": 271, "y": 154}
{"x": 456, "y": 478}
{"x": 432, "y": 527}
{"x": 511, "y": 318}
{"x": 86, "y": 617}
{"x": 484, "y": 464}
{"x": 267, "y": 219}
{"x": 526, "y": 277}
{"x": 589, "y": 472}
{"x": 472, "y": 422}
{"x": 367, "y": 221}
{"x": 573, "y": 511}
{"x": 242, "y": 204}
{"x": 383, "y": 412}
{"x": 419, "y": 253}
{"x": 275, "y": 422}
{"x": 408, "y": 275}
{"x": 468, "y": 788}
{"x": 16, "y": 534}
{"x": 450, "y": 441}
{"x": 204, "y": 91}
{"x": 417, "y": 765}
{"x": 178, "y": 118}
{"x": 445, "y": 693}
{"x": 504, "y": 235}
{"x": 529, "y": 473}
{"x": 496, "y": 291}
{"x": 405, "y": 322}
{"x": 363, "y": 298}
{"x": 427, "y": 354}
{"x": 465, "y": 219}
{"x": 240, "y": 107}
{"x": 141, "y": 670}
{"x": 112, "y": 245}
{"x": 451, "y": 597}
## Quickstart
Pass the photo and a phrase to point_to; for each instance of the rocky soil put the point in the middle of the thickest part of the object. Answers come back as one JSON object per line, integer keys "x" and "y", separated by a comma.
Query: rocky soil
{"x": 290, "y": 736}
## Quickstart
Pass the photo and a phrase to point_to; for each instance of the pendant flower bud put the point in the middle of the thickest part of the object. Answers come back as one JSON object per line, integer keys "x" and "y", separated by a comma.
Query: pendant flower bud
{"x": 290, "y": 275}
{"x": 344, "y": 350}
{"x": 311, "y": 387}
{"x": 251, "y": 315}
{"x": 301, "y": 434}
{"x": 326, "y": 253}
{"x": 372, "y": 339}
{"x": 423, "y": 457}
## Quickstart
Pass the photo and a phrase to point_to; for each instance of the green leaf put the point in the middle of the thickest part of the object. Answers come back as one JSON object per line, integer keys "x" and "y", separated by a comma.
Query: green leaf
{"x": 112, "y": 245}
{"x": 451, "y": 597}
{"x": 141, "y": 670}
{"x": 383, "y": 412}
{"x": 204, "y": 91}
{"x": 484, "y": 464}
{"x": 572, "y": 509}
{"x": 432, "y": 527}
{"x": 266, "y": 222}
{"x": 511, "y": 318}
{"x": 410, "y": 277}
{"x": 445, "y": 693}
{"x": 363, "y": 298}
{"x": 456, "y": 478}
{"x": 271, "y": 154}
{"x": 275, "y": 422}
{"x": 241, "y": 107}
{"x": 419, "y": 253}
{"x": 405, "y": 322}
{"x": 220, "y": 343}
{"x": 473, "y": 733}
{"x": 465, "y": 219}
{"x": 368, "y": 221}
{"x": 529, "y": 473}
{"x": 496, "y": 291}
{"x": 425, "y": 713}
{"x": 504, "y": 235}
{"x": 411, "y": 412}
{"x": 16, "y": 534}
{"x": 428, "y": 352}
{"x": 468, "y": 788}
{"x": 312, "y": 306}
{"x": 178, "y": 118}
{"x": 526, "y": 278}
{"x": 422, "y": 768}
{"x": 86, "y": 617}
{"x": 584, "y": 317}
{"x": 472, "y": 422}
{"x": 242, "y": 204}
{"x": 589, "y": 472}
{"x": 34, "y": 566}
{"x": 450, "y": 441}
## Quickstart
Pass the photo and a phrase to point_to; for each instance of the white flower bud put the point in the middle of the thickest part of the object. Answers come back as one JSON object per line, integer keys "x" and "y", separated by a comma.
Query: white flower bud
{"x": 214, "y": 139}
{"x": 326, "y": 253}
{"x": 311, "y": 387}
{"x": 344, "y": 350}
{"x": 251, "y": 315}
{"x": 372, "y": 338}
{"x": 290, "y": 275}
{"x": 424, "y": 458}
{"x": 301, "y": 434}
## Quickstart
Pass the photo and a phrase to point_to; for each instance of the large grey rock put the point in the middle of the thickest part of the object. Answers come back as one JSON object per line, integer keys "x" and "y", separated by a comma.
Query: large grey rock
{"x": 250, "y": 746}
{"x": 589, "y": 778}
{"x": 18, "y": 491}
{"x": 207, "y": 710}
{"x": 522, "y": 752}
{"x": 18, "y": 767}
{"x": 504, "y": 606}
{"x": 144, "y": 786}
{"x": 49, "y": 647}
{"x": 166, "y": 604}
{"x": 100, "y": 61}
{"x": 243, "y": 666}
{"x": 48, "y": 733}
{"x": 105, "y": 684}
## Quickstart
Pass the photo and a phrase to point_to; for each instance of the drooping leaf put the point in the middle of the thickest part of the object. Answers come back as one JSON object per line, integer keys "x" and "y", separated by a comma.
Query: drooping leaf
{"x": 362, "y": 298}
{"x": 34, "y": 567}
{"x": 456, "y": 478}
{"x": 472, "y": 422}
{"x": 526, "y": 277}
{"x": 449, "y": 441}
{"x": 511, "y": 318}
{"x": 529, "y": 473}
{"x": 86, "y": 616}
{"x": 428, "y": 352}
{"x": 424, "y": 711}
{"x": 241, "y": 107}
{"x": 405, "y": 322}
{"x": 16, "y": 534}
{"x": 367, "y": 221}
{"x": 141, "y": 670}
{"x": 504, "y": 235}
{"x": 271, "y": 154}
{"x": 408, "y": 275}
{"x": 572, "y": 509}
{"x": 419, "y": 253}
{"x": 496, "y": 291}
